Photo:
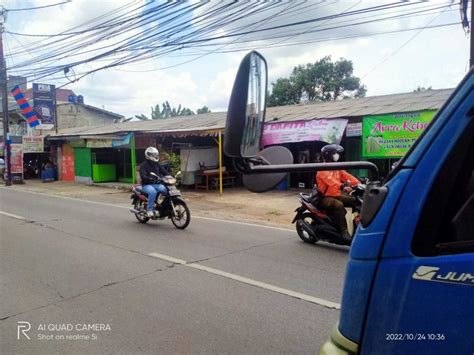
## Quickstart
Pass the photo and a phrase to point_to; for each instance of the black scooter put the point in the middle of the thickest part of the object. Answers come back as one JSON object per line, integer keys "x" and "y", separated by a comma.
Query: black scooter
{"x": 313, "y": 224}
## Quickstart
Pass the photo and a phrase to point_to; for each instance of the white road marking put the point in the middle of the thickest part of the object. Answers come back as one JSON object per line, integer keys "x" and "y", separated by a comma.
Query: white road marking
{"x": 228, "y": 275}
{"x": 73, "y": 199}
{"x": 13, "y": 216}
{"x": 246, "y": 280}
{"x": 244, "y": 223}
{"x": 266, "y": 286}
{"x": 168, "y": 258}
{"x": 128, "y": 207}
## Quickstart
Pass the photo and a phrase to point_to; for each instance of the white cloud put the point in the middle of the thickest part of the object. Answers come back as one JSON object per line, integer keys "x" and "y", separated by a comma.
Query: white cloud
{"x": 221, "y": 88}
{"x": 131, "y": 93}
{"x": 281, "y": 64}
{"x": 436, "y": 57}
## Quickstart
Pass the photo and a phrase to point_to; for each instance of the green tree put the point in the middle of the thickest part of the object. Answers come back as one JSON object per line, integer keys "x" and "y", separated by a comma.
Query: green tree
{"x": 283, "y": 93}
{"x": 166, "y": 111}
{"x": 204, "y": 109}
{"x": 323, "y": 80}
{"x": 141, "y": 117}
{"x": 422, "y": 88}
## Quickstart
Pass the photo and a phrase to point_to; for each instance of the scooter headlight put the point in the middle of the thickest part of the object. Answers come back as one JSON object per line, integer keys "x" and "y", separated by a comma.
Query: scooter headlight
{"x": 170, "y": 180}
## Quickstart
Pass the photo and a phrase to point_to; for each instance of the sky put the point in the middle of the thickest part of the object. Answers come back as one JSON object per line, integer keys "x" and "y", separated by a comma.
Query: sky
{"x": 386, "y": 63}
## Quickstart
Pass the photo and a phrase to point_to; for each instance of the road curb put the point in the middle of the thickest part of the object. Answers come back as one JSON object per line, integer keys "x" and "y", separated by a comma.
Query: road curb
{"x": 115, "y": 187}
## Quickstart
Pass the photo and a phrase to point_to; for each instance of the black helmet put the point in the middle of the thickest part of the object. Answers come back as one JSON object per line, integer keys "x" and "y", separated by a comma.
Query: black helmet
{"x": 329, "y": 152}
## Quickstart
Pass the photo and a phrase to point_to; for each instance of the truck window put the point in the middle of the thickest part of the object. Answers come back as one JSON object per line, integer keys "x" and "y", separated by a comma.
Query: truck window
{"x": 446, "y": 223}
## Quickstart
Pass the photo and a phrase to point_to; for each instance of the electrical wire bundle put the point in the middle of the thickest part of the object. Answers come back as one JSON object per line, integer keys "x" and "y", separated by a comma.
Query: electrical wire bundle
{"x": 145, "y": 32}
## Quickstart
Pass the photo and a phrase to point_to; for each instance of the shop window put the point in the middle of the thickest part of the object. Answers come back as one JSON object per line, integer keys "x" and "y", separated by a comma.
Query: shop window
{"x": 447, "y": 220}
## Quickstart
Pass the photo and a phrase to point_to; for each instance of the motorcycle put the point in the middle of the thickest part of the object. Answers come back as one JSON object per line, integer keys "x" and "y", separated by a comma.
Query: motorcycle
{"x": 31, "y": 169}
{"x": 172, "y": 205}
{"x": 313, "y": 224}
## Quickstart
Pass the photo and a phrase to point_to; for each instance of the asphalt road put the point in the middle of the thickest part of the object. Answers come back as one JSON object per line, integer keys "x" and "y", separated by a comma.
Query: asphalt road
{"x": 88, "y": 278}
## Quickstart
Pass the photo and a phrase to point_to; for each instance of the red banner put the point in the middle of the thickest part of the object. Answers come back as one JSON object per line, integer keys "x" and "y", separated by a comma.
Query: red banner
{"x": 67, "y": 168}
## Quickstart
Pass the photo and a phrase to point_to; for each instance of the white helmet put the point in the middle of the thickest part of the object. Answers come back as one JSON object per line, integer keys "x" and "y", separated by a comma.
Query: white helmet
{"x": 151, "y": 153}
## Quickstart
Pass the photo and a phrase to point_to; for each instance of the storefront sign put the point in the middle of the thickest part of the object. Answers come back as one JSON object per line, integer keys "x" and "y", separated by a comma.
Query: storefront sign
{"x": 33, "y": 144}
{"x": 44, "y": 101}
{"x": 391, "y": 136}
{"x": 329, "y": 131}
{"x": 354, "y": 129}
{"x": 78, "y": 143}
{"x": 16, "y": 159}
{"x": 99, "y": 143}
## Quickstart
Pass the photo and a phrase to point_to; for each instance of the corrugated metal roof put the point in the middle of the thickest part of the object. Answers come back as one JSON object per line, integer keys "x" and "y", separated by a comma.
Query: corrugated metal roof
{"x": 375, "y": 105}
{"x": 202, "y": 122}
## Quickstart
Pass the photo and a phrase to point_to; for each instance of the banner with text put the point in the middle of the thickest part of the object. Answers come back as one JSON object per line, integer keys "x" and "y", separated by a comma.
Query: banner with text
{"x": 391, "y": 136}
{"x": 33, "y": 144}
{"x": 44, "y": 103}
{"x": 16, "y": 159}
{"x": 325, "y": 130}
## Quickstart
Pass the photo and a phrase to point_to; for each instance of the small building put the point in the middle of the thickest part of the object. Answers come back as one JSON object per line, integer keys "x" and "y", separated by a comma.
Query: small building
{"x": 30, "y": 147}
{"x": 380, "y": 129}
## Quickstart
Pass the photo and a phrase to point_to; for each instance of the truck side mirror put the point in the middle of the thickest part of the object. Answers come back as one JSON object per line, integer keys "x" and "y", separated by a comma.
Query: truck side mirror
{"x": 246, "y": 112}
{"x": 244, "y": 129}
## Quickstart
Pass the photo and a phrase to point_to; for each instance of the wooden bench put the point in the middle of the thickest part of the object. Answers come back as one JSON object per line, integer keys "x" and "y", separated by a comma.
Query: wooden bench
{"x": 227, "y": 181}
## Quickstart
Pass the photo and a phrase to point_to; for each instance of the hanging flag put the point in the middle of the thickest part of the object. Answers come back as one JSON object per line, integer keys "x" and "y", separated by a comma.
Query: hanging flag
{"x": 25, "y": 107}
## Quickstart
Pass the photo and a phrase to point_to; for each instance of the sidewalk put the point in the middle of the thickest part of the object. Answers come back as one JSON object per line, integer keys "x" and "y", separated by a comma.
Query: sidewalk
{"x": 273, "y": 207}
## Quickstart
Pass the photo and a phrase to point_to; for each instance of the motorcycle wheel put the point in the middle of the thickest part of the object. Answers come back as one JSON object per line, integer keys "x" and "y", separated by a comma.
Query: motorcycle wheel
{"x": 183, "y": 214}
{"x": 140, "y": 205}
{"x": 305, "y": 237}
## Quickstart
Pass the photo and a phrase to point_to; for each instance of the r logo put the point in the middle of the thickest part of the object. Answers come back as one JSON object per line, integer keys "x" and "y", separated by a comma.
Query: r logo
{"x": 23, "y": 328}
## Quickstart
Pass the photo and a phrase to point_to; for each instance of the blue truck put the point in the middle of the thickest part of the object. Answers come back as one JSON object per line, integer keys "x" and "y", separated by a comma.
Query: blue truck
{"x": 409, "y": 283}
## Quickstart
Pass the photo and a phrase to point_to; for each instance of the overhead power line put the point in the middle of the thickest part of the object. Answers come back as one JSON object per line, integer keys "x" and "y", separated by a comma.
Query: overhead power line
{"x": 39, "y": 7}
{"x": 141, "y": 33}
{"x": 403, "y": 45}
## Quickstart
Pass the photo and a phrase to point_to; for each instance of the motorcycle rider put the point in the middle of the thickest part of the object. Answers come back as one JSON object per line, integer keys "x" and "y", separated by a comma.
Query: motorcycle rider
{"x": 330, "y": 183}
{"x": 150, "y": 185}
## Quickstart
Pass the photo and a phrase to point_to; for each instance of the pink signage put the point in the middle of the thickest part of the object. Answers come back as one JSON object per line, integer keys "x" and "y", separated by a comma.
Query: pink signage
{"x": 329, "y": 131}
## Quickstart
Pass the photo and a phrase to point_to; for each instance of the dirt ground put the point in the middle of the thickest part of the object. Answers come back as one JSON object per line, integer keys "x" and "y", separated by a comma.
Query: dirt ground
{"x": 273, "y": 207}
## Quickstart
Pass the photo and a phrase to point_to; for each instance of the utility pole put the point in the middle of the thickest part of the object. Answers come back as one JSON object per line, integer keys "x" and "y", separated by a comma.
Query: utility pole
{"x": 3, "y": 89}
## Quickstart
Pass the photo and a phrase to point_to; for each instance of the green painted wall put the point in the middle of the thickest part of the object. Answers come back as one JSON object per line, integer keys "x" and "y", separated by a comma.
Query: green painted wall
{"x": 133, "y": 158}
{"x": 83, "y": 162}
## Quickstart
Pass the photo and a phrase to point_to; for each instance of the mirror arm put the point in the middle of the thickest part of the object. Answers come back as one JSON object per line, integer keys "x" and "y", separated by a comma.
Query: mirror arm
{"x": 241, "y": 165}
{"x": 245, "y": 167}
{"x": 258, "y": 161}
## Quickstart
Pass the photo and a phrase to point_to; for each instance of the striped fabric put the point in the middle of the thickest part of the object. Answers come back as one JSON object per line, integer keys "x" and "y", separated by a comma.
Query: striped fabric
{"x": 25, "y": 107}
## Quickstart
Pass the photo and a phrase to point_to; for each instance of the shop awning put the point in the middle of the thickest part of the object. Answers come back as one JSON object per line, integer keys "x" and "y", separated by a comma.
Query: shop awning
{"x": 81, "y": 137}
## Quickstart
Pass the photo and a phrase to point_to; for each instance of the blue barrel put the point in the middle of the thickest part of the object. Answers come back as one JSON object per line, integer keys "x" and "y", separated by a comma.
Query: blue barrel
{"x": 282, "y": 186}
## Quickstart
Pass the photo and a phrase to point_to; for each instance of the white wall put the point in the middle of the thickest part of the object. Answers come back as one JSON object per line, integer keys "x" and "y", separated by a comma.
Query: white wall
{"x": 190, "y": 158}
